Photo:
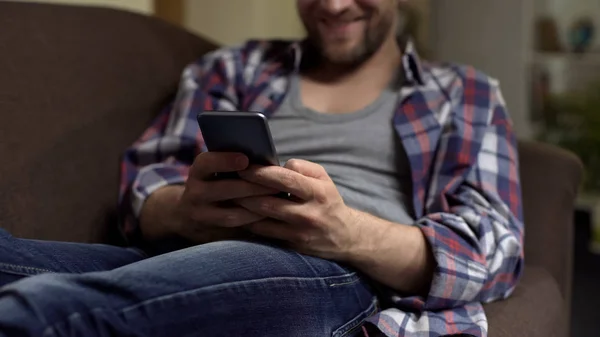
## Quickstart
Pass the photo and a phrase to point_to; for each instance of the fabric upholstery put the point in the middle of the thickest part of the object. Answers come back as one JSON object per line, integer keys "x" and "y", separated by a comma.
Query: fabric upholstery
{"x": 550, "y": 180}
{"x": 77, "y": 86}
{"x": 536, "y": 308}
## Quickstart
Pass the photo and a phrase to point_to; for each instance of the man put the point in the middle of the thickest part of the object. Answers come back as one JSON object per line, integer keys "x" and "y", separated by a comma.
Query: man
{"x": 406, "y": 216}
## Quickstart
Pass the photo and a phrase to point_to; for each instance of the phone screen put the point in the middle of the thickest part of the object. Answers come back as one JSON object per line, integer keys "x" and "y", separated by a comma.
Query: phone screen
{"x": 243, "y": 132}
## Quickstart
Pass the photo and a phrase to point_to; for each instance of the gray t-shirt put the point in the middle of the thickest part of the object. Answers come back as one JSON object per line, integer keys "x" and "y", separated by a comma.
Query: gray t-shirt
{"x": 360, "y": 151}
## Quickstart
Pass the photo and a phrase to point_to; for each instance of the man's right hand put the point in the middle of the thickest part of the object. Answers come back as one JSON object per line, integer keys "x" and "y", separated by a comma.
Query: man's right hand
{"x": 199, "y": 211}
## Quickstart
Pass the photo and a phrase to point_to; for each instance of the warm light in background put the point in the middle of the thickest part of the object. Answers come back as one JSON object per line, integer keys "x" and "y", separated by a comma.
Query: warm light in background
{"x": 141, "y": 6}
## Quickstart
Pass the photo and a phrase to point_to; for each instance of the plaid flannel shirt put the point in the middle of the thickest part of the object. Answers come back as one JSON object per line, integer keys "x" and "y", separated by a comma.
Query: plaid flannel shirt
{"x": 460, "y": 144}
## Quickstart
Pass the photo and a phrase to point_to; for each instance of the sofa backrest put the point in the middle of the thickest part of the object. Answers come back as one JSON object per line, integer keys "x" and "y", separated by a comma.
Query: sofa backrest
{"x": 77, "y": 86}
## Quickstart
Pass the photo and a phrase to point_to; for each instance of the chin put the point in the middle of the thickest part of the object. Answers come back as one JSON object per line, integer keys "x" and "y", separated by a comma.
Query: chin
{"x": 343, "y": 56}
{"x": 340, "y": 58}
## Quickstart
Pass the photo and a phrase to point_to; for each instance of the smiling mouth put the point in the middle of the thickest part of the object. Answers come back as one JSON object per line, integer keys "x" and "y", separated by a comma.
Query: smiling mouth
{"x": 337, "y": 23}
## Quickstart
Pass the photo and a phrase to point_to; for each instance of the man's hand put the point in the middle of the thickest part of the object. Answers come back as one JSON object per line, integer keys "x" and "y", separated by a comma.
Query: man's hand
{"x": 199, "y": 211}
{"x": 315, "y": 221}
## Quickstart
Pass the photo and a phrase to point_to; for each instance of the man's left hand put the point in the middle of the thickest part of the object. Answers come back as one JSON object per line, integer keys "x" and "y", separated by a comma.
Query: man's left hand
{"x": 315, "y": 221}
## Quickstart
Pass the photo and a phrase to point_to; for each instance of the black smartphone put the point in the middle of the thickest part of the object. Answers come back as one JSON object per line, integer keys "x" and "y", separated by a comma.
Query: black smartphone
{"x": 243, "y": 132}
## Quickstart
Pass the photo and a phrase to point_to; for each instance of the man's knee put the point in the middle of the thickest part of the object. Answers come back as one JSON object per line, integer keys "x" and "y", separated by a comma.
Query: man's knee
{"x": 67, "y": 303}
{"x": 27, "y": 305}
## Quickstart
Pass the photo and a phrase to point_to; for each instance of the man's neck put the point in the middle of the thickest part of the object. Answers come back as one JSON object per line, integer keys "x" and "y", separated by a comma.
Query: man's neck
{"x": 379, "y": 70}
{"x": 331, "y": 89}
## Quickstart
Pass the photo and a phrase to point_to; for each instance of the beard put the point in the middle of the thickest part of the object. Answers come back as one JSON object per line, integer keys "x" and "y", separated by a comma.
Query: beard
{"x": 373, "y": 37}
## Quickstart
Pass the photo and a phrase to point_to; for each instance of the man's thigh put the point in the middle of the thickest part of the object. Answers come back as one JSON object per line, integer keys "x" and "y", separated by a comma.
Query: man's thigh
{"x": 20, "y": 258}
{"x": 229, "y": 288}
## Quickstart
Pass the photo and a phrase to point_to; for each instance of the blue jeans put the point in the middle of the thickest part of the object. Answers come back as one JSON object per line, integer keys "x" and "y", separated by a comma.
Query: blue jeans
{"x": 228, "y": 288}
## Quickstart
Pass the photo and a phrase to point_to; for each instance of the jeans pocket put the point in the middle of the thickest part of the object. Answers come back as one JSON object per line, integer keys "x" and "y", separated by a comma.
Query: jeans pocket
{"x": 352, "y": 327}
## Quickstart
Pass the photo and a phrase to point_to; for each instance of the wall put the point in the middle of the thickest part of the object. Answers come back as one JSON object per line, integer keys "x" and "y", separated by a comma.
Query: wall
{"x": 233, "y": 21}
{"x": 424, "y": 9}
{"x": 140, "y": 6}
{"x": 494, "y": 36}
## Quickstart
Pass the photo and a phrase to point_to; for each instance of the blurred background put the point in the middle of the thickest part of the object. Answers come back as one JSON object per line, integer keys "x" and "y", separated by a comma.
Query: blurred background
{"x": 546, "y": 54}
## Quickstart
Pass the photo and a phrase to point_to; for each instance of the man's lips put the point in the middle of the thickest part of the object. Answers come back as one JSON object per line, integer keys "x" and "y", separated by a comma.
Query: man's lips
{"x": 340, "y": 26}
{"x": 339, "y": 22}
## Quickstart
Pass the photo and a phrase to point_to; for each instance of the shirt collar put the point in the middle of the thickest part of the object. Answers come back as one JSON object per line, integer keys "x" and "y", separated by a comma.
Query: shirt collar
{"x": 411, "y": 61}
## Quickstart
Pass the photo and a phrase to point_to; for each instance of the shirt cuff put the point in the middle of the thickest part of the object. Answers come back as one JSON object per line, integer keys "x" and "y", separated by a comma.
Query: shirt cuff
{"x": 458, "y": 277}
{"x": 149, "y": 179}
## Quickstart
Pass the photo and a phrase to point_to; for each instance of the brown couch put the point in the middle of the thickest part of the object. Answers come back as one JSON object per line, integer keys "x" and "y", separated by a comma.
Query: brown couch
{"x": 78, "y": 85}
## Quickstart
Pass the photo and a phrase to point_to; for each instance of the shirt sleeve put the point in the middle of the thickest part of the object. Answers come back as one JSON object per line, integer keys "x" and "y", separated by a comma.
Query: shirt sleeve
{"x": 474, "y": 226}
{"x": 163, "y": 154}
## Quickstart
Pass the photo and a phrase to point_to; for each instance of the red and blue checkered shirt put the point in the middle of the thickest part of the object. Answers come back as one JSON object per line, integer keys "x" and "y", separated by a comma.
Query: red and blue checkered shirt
{"x": 462, "y": 151}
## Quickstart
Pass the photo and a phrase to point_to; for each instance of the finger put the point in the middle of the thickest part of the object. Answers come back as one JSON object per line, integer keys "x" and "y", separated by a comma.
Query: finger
{"x": 307, "y": 168}
{"x": 276, "y": 208}
{"x": 280, "y": 230}
{"x": 222, "y": 190}
{"x": 207, "y": 164}
{"x": 281, "y": 179}
{"x": 225, "y": 216}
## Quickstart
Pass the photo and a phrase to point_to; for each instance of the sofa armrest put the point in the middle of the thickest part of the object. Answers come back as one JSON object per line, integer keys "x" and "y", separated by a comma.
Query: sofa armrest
{"x": 550, "y": 178}
{"x": 536, "y": 308}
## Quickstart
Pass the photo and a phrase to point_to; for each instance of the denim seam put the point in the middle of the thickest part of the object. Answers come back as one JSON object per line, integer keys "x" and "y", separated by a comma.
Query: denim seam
{"x": 357, "y": 321}
{"x": 21, "y": 270}
{"x": 50, "y": 329}
{"x": 344, "y": 283}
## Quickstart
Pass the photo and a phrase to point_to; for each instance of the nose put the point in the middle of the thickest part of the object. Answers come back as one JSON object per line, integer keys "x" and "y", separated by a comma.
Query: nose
{"x": 336, "y": 6}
